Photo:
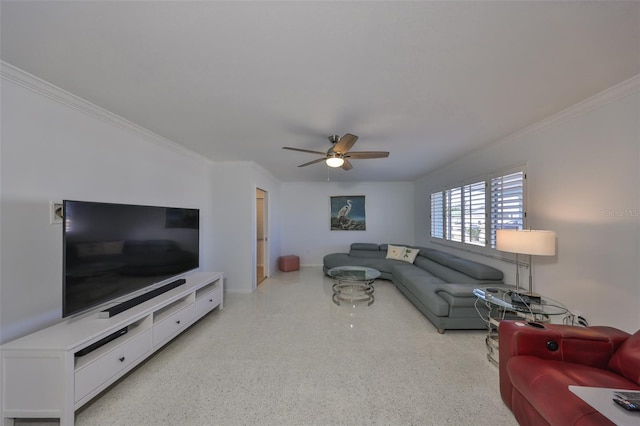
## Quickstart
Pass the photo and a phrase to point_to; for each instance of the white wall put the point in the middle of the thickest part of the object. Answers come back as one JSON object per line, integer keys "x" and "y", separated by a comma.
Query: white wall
{"x": 53, "y": 148}
{"x": 235, "y": 221}
{"x": 305, "y": 211}
{"x": 584, "y": 180}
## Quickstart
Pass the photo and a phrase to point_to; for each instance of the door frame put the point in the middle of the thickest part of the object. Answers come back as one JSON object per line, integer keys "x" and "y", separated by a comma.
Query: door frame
{"x": 265, "y": 235}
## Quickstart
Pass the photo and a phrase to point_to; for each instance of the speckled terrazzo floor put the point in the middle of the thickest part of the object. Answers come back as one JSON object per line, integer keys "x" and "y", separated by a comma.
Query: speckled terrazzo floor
{"x": 287, "y": 355}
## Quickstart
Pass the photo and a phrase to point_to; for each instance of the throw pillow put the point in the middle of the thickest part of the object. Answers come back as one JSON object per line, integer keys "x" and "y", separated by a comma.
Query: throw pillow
{"x": 410, "y": 254}
{"x": 395, "y": 252}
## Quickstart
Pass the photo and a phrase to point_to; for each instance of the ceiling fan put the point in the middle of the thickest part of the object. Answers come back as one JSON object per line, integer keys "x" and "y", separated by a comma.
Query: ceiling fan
{"x": 339, "y": 155}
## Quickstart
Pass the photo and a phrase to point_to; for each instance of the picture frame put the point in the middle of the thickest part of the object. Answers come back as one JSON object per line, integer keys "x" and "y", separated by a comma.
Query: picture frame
{"x": 347, "y": 213}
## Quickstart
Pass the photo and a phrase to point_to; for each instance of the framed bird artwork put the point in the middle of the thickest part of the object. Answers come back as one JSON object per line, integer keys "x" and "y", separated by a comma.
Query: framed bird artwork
{"x": 348, "y": 213}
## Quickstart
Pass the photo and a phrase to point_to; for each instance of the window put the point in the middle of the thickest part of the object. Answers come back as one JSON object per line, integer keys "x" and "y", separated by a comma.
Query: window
{"x": 470, "y": 214}
{"x": 474, "y": 213}
{"x": 437, "y": 215}
{"x": 453, "y": 214}
{"x": 507, "y": 203}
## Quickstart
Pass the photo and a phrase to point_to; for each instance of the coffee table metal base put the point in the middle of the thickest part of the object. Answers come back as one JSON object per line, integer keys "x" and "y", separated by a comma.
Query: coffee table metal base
{"x": 353, "y": 292}
{"x": 353, "y": 284}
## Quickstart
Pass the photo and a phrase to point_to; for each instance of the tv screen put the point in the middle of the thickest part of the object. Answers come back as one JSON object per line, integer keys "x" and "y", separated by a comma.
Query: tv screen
{"x": 111, "y": 250}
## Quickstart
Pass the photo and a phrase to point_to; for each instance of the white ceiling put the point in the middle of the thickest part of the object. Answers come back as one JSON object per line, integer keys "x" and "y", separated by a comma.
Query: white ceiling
{"x": 427, "y": 81}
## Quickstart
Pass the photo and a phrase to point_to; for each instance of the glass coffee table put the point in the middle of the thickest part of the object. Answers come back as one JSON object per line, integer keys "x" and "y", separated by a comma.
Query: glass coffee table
{"x": 353, "y": 284}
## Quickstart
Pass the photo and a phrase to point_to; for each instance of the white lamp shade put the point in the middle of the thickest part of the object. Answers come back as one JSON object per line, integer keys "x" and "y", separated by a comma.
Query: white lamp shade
{"x": 334, "y": 162}
{"x": 535, "y": 242}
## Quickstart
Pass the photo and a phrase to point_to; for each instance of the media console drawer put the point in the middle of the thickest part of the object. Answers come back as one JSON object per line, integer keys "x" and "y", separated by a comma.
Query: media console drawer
{"x": 94, "y": 374}
{"x": 173, "y": 324}
{"x": 208, "y": 301}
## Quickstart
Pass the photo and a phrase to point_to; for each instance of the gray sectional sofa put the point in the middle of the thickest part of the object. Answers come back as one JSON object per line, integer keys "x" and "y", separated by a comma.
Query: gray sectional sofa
{"x": 439, "y": 284}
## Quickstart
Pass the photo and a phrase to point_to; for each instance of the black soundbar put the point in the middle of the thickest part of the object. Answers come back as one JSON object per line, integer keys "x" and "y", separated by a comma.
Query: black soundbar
{"x": 92, "y": 347}
{"x": 116, "y": 309}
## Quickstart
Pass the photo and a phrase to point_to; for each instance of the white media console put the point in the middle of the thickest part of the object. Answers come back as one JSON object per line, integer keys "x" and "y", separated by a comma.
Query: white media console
{"x": 45, "y": 377}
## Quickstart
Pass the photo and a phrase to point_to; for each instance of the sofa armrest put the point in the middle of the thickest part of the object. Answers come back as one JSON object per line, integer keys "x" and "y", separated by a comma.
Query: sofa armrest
{"x": 456, "y": 290}
{"x": 466, "y": 289}
{"x": 591, "y": 346}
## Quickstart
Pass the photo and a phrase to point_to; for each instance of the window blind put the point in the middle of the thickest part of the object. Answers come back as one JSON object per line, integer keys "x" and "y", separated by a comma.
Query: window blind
{"x": 474, "y": 213}
{"x": 507, "y": 203}
{"x": 437, "y": 215}
{"x": 453, "y": 198}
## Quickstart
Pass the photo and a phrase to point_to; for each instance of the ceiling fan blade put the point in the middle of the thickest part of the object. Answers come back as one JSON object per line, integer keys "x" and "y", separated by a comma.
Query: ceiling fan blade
{"x": 345, "y": 143}
{"x": 360, "y": 155}
{"x": 304, "y": 150}
{"x": 312, "y": 162}
{"x": 347, "y": 165}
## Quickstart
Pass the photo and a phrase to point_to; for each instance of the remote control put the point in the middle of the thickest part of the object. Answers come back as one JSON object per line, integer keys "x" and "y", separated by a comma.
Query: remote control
{"x": 626, "y": 404}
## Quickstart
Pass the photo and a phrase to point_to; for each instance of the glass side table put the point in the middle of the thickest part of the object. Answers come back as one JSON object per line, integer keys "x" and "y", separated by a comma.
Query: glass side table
{"x": 504, "y": 303}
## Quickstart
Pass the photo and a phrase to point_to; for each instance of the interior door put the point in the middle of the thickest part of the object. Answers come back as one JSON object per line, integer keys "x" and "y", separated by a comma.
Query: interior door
{"x": 262, "y": 237}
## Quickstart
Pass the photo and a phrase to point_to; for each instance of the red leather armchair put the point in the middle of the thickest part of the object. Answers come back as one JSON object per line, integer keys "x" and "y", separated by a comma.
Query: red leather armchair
{"x": 539, "y": 362}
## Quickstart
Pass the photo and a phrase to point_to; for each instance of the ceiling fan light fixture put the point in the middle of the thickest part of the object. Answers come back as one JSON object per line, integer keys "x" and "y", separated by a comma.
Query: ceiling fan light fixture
{"x": 340, "y": 154}
{"x": 334, "y": 161}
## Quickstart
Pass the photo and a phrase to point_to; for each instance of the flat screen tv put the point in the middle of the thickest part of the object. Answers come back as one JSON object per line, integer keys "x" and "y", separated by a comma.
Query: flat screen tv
{"x": 112, "y": 250}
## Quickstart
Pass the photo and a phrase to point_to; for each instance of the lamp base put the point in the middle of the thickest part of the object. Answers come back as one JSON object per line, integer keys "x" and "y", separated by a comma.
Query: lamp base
{"x": 525, "y": 298}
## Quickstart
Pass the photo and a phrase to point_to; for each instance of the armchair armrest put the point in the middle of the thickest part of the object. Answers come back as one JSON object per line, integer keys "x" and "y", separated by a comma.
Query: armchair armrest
{"x": 591, "y": 346}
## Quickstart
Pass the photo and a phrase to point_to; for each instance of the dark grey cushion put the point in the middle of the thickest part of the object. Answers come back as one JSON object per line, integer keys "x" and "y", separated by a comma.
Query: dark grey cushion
{"x": 344, "y": 259}
{"x": 365, "y": 246}
{"x": 368, "y": 253}
{"x": 473, "y": 269}
{"x": 403, "y": 271}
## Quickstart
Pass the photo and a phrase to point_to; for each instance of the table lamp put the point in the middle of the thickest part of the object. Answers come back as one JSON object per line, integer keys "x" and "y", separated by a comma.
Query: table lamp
{"x": 529, "y": 242}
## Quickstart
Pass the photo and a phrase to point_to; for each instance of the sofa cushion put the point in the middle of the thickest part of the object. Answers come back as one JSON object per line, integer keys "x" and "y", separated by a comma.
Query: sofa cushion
{"x": 383, "y": 265}
{"x": 365, "y": 246}
{"x": 435, "y": 255}
{"x": 405, "y": 254}
{"x": 626, "y": 360}
{"x": 402, "y": 271}
{"x": 444, "y": 272}
{"x": 410, "y": 254}
{"x": 475, "y": 270}
{"x": 545, "y": 382}
{"x": 366, "y": 253}
{"x": 385, "y": 246}
{"x": 395, "y": 252}
{"x": 422, "y": 263}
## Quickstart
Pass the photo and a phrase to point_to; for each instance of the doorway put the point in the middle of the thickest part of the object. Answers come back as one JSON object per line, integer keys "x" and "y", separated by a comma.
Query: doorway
{"x": 262, "y": 237}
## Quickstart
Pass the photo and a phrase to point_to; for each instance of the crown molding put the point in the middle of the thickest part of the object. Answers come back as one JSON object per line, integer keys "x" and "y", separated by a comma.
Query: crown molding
{"x": 30, "y": 82}
{"x": 597, "y": 101}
